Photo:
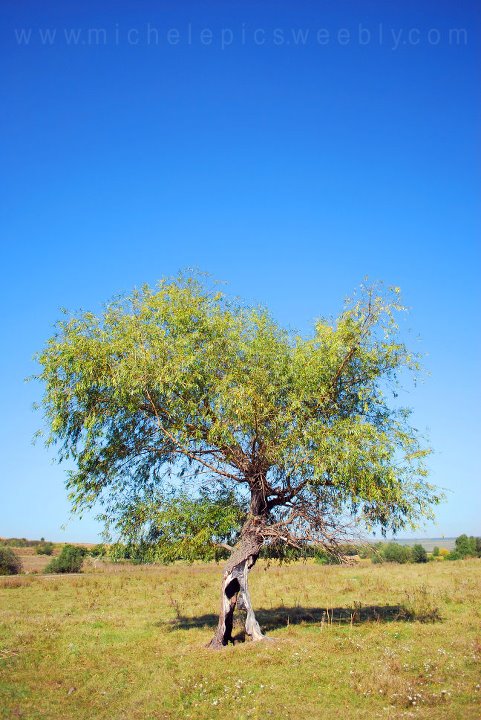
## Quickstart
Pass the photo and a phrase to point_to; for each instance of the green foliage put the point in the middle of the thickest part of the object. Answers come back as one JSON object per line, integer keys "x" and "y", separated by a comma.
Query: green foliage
{"x": 392, "y": 552}
{"x": 99, "y": 550}
{"x": 164, "y": 527}
{"x": 180, "y": 386}
{"x": 284, "y": 553}
{"x": 322, "y": 557}
{"x": 44, "y": 548}
{"x": 466, "y": 547}
{"x": 435, "y": 551}
{"x": 69, "y": 561}
{"x": 10, "y": 563}
{"x": 419, "y": 554}
{"x": 397, "y": 553}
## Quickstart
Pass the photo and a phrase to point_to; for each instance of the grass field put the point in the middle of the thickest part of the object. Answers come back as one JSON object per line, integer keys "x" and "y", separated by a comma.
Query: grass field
{"x": 124, "y": 642}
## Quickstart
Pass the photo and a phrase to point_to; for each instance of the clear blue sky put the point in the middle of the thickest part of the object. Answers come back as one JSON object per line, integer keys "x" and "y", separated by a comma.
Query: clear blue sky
{"x": 288, "y": 148}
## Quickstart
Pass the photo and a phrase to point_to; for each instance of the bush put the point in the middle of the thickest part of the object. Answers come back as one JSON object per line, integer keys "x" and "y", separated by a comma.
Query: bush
{"x": 453, "y": 556}
{"x": 393, "y": 552}
{"x": 45, "y": 548}
{"x": 419, "y": 554}
{"x": 69, "y": 561}
{"x": 326, "y": 558}
{"x": 10, "y": 564}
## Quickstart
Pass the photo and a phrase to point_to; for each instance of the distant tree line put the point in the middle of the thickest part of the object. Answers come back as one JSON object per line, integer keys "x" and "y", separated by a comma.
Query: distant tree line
{"x": 71, "y": 557}
{"x": 20, "y": 542}
{"x": 144, "y": 552}
{"x": 394, "y": 552}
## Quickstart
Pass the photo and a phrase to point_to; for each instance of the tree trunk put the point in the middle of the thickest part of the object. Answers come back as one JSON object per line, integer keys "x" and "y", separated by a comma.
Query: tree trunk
{"x": 235, "y": 590}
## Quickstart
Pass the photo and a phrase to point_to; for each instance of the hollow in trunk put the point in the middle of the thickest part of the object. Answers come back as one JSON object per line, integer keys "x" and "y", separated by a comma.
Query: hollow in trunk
{"x": 235, "y": 590}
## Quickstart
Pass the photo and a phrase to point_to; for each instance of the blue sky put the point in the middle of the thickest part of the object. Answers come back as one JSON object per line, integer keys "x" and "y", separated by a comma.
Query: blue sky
{"x": 290, "y": 149}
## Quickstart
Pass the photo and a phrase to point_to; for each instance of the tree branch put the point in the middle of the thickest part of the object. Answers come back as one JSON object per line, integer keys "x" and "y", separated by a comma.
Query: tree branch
{"x": 187, "y": 452}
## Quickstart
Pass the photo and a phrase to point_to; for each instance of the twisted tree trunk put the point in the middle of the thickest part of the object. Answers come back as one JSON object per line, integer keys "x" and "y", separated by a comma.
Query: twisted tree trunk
{"x": 235, "y": 589}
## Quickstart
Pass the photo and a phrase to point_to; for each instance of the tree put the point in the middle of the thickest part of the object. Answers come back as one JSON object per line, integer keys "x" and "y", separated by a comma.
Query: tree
{"x": 182, "y": 387}
{"x": 419, "y": 554}
{"x": 478, "y": 546}
{"x": 465, "y": 547}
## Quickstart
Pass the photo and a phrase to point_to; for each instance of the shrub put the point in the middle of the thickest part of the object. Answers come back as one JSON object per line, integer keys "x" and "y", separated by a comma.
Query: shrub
{"x": 393, "y": 552}
{"x": 10, "y": 563}
{"x": 45, "y": 548}
{"x": 325, "y": 558}
{"x": 419, "y": 554}
{"x": 454, "y": 556}
{"x": 435, "y": 551}
{"x": 69, "y": 561}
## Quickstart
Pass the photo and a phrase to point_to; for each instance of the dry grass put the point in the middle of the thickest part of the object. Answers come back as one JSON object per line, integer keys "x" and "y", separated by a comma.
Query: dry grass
{"x": 33, "y": 563}
{"x": 128, "y": 642}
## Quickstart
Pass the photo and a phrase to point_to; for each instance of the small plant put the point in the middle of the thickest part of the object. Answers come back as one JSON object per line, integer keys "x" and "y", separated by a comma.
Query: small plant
{"x": 44, "y": 548}
{"x": 69, "y": 561}
{"x": 420, "y": 604}
{"x": 10, "y": 563}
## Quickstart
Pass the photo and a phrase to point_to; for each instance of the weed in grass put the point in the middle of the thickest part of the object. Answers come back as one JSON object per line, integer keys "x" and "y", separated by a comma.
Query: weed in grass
{"x": 421, "y": 604}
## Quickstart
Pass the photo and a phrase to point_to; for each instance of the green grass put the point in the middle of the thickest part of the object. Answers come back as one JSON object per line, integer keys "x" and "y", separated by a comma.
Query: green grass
{"x": 128, "y": 642}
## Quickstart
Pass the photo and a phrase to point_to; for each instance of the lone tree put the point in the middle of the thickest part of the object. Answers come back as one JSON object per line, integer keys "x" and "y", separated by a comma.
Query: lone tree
{"x": 181, "y": 381}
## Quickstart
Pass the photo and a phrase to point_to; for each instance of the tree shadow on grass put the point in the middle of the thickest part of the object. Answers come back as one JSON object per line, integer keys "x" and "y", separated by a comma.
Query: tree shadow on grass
{"x": 281, "y": 617}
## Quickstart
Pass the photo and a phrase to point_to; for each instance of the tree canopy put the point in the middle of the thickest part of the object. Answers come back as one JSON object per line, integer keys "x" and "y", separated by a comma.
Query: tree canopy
{"x": 180, "y": 386}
